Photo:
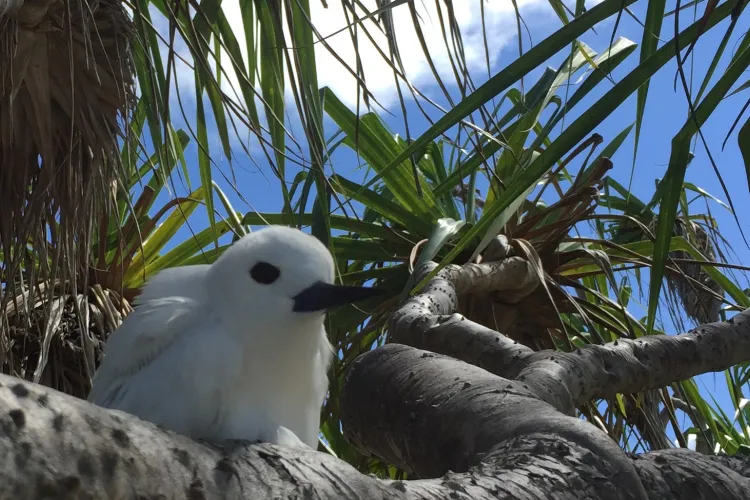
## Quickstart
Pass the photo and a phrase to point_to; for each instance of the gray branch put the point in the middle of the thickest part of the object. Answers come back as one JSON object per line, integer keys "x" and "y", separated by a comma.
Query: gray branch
{"x": 56, "y": 446}
{"x": 469, "y": 432}
{"x": 443, "y": 414}
{"x": 628, "y": 366}
{"x": 565, "y": 380}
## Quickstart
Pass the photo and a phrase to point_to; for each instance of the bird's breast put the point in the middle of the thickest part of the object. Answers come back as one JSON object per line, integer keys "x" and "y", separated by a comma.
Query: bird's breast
{"x": 281, "y": 387}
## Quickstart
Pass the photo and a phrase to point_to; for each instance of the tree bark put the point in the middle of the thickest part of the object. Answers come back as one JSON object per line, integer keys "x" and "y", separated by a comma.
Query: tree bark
{"x": 56, "y": 446}
{"x": 498, "y": 430}
{"x": 563, "y": 379}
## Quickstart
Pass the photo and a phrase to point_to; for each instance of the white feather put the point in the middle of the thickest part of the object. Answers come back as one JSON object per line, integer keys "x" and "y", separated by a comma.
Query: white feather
{"x": 209, "y": 353}
{"x": 186, "y": 281}
{"x": 157, "y": 367}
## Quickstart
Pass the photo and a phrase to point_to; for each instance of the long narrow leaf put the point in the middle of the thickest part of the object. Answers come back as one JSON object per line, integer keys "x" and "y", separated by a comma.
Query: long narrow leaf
{"x": 674, "y": 178}
{"x": 512, "y": 73}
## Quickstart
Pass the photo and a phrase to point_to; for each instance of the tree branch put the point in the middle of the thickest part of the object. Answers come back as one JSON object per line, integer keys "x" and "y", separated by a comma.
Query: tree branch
{"x": 662, "y": 472}
{"x": 470, "y": 433}
{"x": 429, "y": 414}
{"x": 564, "y": 380}
{"x": 427, "y": 320}
{"x": 56, "y": 446}
{"x": 627, "y": 366}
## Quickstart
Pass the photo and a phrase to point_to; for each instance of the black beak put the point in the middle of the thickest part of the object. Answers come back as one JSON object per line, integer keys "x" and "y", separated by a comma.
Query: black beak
{"x": 322, "y": 296}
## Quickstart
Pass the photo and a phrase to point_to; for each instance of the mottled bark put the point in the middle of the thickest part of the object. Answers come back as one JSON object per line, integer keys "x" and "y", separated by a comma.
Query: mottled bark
{"x": 497, "y": 430}
{"x": 565, "y": 380}
{"x": 681, "y": 473}
{"x": 56, "y": 446}
{"x": 429, "y": 414}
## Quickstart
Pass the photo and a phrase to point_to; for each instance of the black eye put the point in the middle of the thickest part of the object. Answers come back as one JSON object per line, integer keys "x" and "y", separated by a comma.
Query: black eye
{"x": 265, "y": 273}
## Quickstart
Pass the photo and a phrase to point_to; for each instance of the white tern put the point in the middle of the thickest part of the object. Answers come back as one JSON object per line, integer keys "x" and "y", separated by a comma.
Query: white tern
{"x": 232, "y": 350}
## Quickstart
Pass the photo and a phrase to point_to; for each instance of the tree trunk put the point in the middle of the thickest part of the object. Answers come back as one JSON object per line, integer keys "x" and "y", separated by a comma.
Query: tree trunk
{"x": 502, "y": 430}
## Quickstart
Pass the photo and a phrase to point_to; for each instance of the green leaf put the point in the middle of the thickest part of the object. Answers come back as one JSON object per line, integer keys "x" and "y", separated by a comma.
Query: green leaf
{"x": 678, "y": 162}
{"x": 649, "y": 44}
{"x": 444, "y": 230}
{"x": 180, "y": 254}
{"x": 371, "y": 250}
{"x": 611, "y": 148}
{"x": 163, "y": 234}
{"x": 245, "y": 77}
{"x": 233, "y": 216}
{"x": 535, "y": 95}
{"x": 513, "y": 160}
{"x": 604, "y": 64}
{"x": 646, "y": 249}
{"x": 692, "y": 187}
{"x": 621, "y": 404}
{"x": 272, "y": 44}
{"x": 368, "y": 136}
{"x": 445, "y": 200}
{"x": 743, "y": 139}
{"x": 371, "y": 229}
{"x": 204, "y": 161}
{"x": 150, "y": 72}
{"x": 512, "y": 73}
{"x": 499, "y": 223}
{"x": 692, "y": 395}
{"x": 580, "y": 127}
{"x": 205, "y": 258}
{"x": 389, "y": 210}
{"x": 634, "y": 205}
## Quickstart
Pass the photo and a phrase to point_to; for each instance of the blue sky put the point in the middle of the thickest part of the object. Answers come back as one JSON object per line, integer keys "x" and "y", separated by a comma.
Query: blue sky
{"x": 666, "y": 113}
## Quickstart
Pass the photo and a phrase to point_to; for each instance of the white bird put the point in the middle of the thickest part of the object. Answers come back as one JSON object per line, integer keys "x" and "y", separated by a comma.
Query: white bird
{"x": 232, "y": 350}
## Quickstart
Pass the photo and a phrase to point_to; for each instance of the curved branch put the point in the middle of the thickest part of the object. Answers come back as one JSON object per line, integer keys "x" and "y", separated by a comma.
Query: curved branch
{"x": 661, "y": 471}
{"x": 431, "y": 414}
{"x": 428, "y": 413}
{"x": 427, "y": 320}
{"x": 564, "y": 380}
{"x": 460, "y": 338}
{"x": 511, "y": 278}
{"x": 628, "y": 366}
{"x": 56, "y": 446}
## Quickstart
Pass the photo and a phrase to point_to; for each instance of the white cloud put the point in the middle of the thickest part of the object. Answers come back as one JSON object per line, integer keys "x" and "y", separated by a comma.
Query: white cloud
{"x": 500, "y": 28}
{"x": 498, "y": 31}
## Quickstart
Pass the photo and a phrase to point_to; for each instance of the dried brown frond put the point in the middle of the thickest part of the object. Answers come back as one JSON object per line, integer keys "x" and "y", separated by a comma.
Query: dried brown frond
{"x": 61, "y": 350}
{"x": 65, "y": 80}
{"x": 534, "y": 320}
{"x": 697, "y": 292}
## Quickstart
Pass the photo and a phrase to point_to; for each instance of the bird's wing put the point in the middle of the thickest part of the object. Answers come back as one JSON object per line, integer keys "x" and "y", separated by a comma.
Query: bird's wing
{"x": 169, "y": 364}
{"x": 163, "y": 310}
{"x": 143, "y": 335}
{"x": 325, "y": 356}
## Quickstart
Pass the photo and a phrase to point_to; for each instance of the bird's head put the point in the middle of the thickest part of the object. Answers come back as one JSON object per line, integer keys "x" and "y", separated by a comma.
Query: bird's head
{"x": 279, "y": 279}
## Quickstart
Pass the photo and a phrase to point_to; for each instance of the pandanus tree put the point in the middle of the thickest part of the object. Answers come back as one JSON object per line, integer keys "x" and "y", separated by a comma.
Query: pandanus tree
{"x": 507, "y": 360}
